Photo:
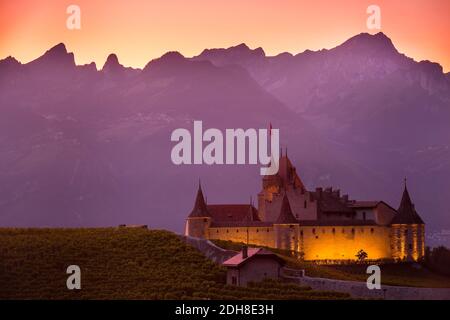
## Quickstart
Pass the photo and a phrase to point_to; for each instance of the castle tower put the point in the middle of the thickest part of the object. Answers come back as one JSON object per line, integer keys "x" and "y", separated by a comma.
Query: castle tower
{"x": 408, "y": 231}
{"x": 286, "y": 179}
{"x": 286, "y": 228}
{"x": 199, "y": 220}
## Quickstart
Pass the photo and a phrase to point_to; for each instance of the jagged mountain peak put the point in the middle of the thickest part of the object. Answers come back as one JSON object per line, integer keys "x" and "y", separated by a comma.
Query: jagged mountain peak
{"x": 240, "y": 51}
{"x": 112, "y": 63}
{"x": 172, "y": 55}
{"x": 374, "y": 42}
{"x": 9, "y": 61}
{"x": 243, "y": 48}
{"x": 58, "y": 54}
{"x": 171, "y": 58}
{"x": 112, "y": 59}
{"x": 60, "y": 48}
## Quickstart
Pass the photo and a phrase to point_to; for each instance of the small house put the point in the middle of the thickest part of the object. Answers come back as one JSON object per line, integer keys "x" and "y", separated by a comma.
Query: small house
{"x": 253, "y": 264}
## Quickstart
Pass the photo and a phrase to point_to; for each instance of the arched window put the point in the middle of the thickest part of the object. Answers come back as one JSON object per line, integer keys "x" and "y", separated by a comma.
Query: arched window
{"x": 305, "y": 204}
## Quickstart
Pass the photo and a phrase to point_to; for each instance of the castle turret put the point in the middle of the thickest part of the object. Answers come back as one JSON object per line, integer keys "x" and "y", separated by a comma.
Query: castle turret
{"x": 286, "y": 228}
{"x": 287, "y": 180}
{"x": 408, "y": 231}
{"x": 199, "y": 220}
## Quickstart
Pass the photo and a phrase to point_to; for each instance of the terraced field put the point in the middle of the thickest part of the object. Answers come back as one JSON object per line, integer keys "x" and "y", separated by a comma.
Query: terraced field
{"x": 120, "y": 263}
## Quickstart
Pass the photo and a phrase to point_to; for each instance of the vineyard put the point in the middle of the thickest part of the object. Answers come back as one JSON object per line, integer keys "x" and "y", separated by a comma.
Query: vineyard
{"x": 120, "y": 263}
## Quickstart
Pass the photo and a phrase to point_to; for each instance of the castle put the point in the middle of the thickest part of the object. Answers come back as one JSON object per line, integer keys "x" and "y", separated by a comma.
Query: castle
{"x": 320, "y": 225}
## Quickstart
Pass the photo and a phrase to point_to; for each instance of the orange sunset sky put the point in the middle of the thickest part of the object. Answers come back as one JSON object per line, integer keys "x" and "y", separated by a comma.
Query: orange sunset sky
{"x": 140, "y": 30}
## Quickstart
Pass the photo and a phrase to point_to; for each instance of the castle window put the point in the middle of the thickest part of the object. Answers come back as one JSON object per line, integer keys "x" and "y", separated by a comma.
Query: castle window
{"x": 267, "y": 230}
{"x": 217, "y": 231}
{"x": 227, "y": 230}
{"x": 353, "y": 230}
{"x": 301, "y": 233}
{"x": 305, "y": 204}
{"x": 406, "y": 232}
{"x": 257, "y": 230}
{"x": 314, "y": 231}
{"x": 237, "y": 230}
{"x": 364, "y": 215}
{"x": 371, "y": 230}
{"x": 334, "y": 230}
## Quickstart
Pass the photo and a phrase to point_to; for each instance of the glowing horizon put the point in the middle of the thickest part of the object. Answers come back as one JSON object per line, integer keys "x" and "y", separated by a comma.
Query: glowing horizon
{"x": 140, "y": 31}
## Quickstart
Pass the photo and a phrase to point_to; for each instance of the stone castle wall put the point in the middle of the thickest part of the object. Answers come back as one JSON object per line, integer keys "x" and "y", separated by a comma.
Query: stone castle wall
{"x": 261, "y": 236}
{"x": 343, "y": 243}
{"x": 315, "y": 242}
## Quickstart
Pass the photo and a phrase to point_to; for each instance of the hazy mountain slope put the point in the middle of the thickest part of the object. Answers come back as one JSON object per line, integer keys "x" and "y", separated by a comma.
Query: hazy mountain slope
{"x": 81, "y": 147}
{"x": 85, "y": 147}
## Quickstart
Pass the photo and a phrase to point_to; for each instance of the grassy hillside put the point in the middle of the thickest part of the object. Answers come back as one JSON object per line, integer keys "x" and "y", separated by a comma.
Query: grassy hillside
{"x": 121, "y": 264}
{"x": 397, "y": 274}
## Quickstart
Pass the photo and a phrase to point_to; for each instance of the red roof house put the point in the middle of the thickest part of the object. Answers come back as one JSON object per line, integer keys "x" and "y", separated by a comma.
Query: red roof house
{"x": 253, "y": 264}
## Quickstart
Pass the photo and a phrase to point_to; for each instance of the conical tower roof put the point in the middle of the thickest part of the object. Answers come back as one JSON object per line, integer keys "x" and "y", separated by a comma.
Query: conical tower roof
{"x": 199, "y": 209}
{"x": 286, "y": 216}
{"x": 406, "y": 213}
{"x": 287, "y": 174}
{"x": 252, "y": 213}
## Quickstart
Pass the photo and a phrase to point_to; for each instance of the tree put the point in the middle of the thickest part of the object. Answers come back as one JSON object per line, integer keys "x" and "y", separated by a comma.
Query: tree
{"x": 361, "y": 255}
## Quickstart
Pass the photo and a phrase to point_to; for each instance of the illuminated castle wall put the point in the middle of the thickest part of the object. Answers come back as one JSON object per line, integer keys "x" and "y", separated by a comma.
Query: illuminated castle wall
{"x": 319, "y": 225}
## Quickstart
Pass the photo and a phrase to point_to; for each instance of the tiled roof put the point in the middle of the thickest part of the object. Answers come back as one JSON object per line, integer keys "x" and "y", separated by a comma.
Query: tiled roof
{"x": 368, "y": 204}
{"x": 233, "y": 212}
{"x": 363, "y": 204}
{"x": 329, "y": 203}
{"x": 252, "y": 253}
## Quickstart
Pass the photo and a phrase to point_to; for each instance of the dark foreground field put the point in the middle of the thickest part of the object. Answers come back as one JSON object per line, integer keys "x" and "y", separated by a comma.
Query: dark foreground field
{"x": 121, "y": 264}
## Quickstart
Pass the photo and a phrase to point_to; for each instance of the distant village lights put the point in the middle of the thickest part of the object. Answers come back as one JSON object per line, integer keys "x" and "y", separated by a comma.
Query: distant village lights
{"x": 235, "y": 140}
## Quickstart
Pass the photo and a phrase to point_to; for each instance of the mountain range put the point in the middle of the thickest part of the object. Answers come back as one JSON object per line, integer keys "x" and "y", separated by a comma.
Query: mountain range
{"x": 86, "y": 147}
